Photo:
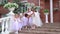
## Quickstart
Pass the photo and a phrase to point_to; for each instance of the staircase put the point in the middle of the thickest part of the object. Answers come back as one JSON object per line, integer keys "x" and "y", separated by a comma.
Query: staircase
{"x": 50, "y": 28}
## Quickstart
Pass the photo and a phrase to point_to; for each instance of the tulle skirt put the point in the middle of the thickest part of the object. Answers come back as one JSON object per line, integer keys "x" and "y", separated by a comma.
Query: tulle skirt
{"x": 16, "y": 26}
{"x": 37, "y": 21}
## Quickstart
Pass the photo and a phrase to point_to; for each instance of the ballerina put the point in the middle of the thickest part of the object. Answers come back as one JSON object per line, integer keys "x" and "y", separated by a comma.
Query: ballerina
{"x": 30, "y": 19}
{"x": 25, "y": 20}
{"x": 36, "y": 19}
{"x": 16, "y": 23}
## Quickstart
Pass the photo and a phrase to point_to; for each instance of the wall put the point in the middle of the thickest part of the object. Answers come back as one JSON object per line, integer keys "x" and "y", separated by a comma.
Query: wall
{"x": 3, "y": 10}
{"x": 42, "y": 6}
{"x": 56, "y": 12}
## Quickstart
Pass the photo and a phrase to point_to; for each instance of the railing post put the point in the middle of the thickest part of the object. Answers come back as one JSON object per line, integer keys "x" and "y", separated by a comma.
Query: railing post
{"x": 4, "y": 22}
{"x": 2, "y": 27}
{"x": 6, "y": 27}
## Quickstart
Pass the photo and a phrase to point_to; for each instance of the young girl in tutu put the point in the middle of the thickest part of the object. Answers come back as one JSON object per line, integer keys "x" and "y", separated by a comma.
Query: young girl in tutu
{"x": 36, "y": 19}
{"x": 30, "y": 19}
{"x": 16, "y": 23}
{"x": 25, "y": 20}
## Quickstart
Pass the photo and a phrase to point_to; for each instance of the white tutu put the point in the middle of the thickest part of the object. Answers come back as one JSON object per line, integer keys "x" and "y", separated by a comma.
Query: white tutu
{"x": 37, "y": 20}
{"x": 15, "y": 24}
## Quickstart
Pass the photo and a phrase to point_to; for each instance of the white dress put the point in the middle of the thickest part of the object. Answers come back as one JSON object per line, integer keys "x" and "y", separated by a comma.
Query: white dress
{"x": 36, "y": 19}
{"x": 25, "y": 20}
{"x": 15, "y": 24}
{"x": 30, "y": 18}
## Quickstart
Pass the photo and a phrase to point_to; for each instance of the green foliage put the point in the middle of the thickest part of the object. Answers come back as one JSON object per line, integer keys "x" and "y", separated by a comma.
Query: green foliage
{"x": 15, "y": 11}
{"x": 3, "y": 2}
{"x": 10, "y": 5}
{"x": 37, "y": 7}
{"x": 22, "y": 8}
{"x": 46, "y": 11}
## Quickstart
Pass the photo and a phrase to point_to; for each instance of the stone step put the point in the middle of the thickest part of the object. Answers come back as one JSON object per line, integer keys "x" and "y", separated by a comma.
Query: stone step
{"x": 40, "y": 32}
{"x": 37, "y": 32}
{"x": 52, "y": 24}
{"x": 52, "y": 30}
{"x": 49, "y": 27}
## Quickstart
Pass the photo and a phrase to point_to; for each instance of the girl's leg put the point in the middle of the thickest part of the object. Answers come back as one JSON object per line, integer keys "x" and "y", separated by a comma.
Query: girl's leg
{"x": 26, "y": 27}
{"x": 33, "y": 26}
{"x": 16, "y": 32}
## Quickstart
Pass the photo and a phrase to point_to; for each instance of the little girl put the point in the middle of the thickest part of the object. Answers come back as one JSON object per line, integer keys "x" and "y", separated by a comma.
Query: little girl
{"x": 25, "y": 20}
{"x": 16, "y": 23}
{"x": 36, "y": 19}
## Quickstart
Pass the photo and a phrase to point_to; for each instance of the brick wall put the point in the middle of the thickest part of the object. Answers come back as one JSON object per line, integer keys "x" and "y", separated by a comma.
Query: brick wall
{"x": 36, "y": 2}
{"x": 56, "y": 13}
{"x": 42, "y": 5}
{"x": 3, "y": 10}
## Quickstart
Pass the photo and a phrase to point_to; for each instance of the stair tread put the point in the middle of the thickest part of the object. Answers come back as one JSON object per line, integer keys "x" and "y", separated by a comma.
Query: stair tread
{"x": 45, "y": 29}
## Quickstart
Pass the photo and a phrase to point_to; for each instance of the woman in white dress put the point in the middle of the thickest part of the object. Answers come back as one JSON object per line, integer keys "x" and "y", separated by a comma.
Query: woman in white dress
{"x": 36, "y": 19}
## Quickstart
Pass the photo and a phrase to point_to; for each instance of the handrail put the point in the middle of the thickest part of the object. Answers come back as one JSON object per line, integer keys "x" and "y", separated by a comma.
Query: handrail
{"x": 5, "y": 25}
{"x": 4, "y": 22}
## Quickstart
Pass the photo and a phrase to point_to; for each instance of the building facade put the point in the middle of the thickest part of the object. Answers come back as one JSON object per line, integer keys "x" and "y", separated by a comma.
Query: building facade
{"x": 52, "y": 5}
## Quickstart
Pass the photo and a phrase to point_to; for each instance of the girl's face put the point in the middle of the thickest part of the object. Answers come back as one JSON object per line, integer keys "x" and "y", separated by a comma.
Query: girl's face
{"x": 16, "y": 15}
{"x": 29, "y": 9}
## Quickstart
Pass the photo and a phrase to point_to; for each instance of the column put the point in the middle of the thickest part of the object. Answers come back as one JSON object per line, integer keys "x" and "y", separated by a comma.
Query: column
{"x": 39, "y": 2}
{"x": 51, "y": 11}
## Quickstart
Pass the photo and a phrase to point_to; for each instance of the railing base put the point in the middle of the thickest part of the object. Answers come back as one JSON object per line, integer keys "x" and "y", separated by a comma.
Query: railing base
{"x": 2, "y": 32}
